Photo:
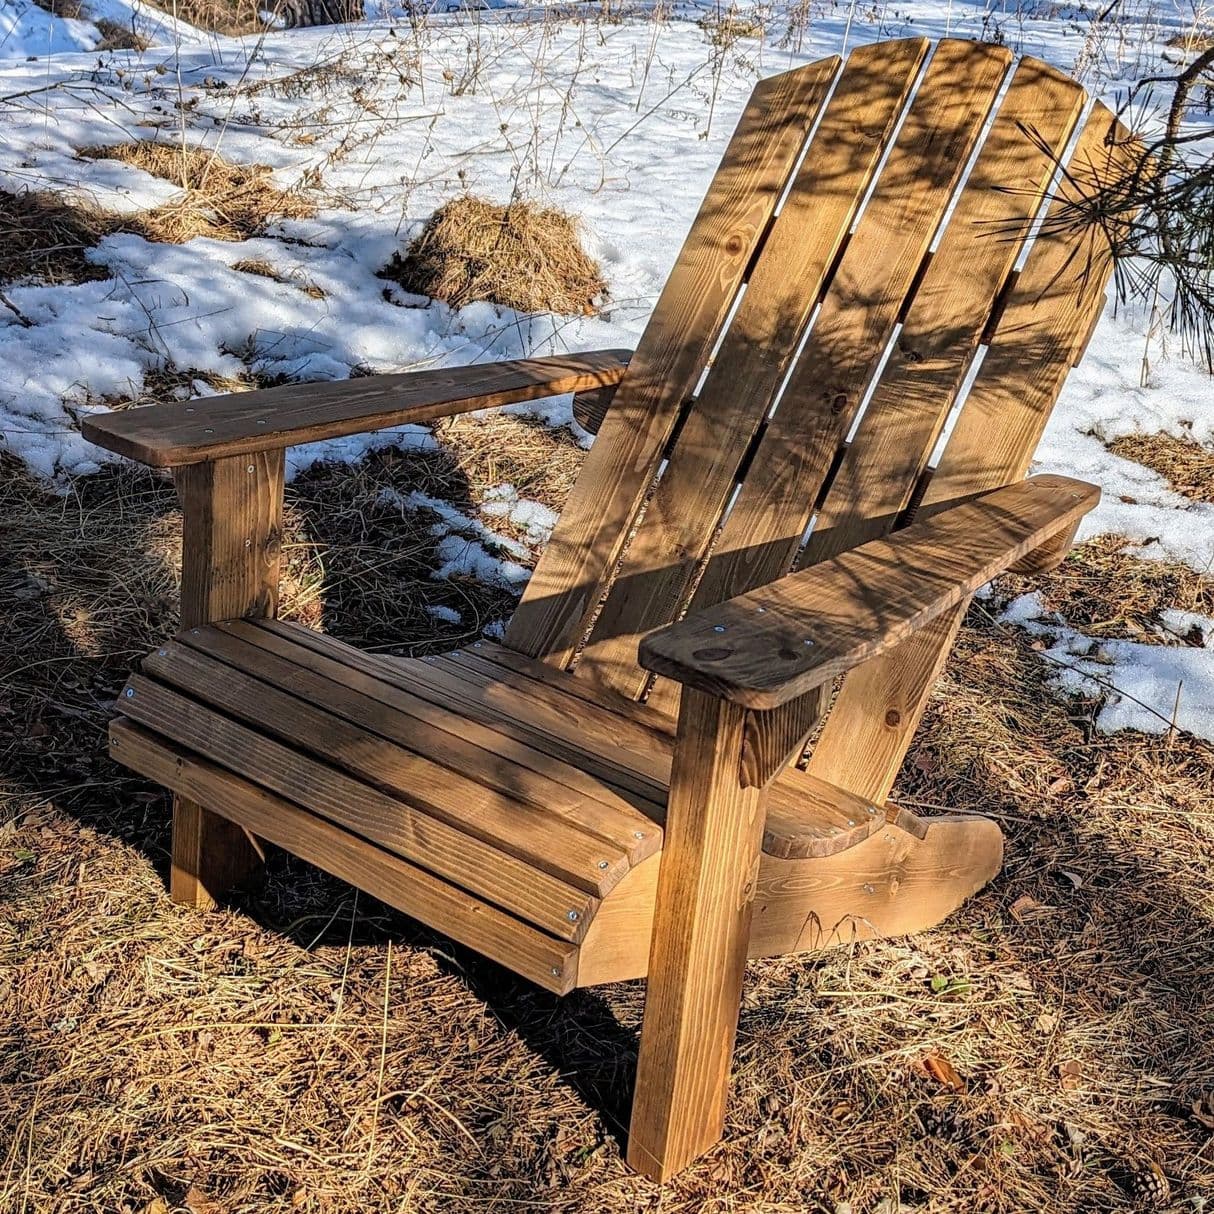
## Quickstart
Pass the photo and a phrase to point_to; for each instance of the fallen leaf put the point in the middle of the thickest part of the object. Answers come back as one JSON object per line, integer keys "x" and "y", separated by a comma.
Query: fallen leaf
{"x": 944, "y": 1073}
{"x": 1027, "y": 907}
{"x": 1074, "y": 878}
{"x": 1203, "y": 1110}
{"x": 1047, "y": 1022}
{"x": 1070, "y": 1073}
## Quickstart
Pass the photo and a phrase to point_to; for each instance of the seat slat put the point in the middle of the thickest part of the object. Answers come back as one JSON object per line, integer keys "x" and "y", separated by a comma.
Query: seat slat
{"x": 643, "y": 714}
{"x": 373, "y": 674}
{"x": 949, "y": 312}
{"x": 419, "y": 837}
{"x": 443, "y": 737}
{"x": 576, "y": 564}
{"x": 758, "y": 347}
{"x": 472, "y": 805}
{"x": 764, "y": 530}
{"x": 534, "y": 954}
{"x": 564, "y": 725}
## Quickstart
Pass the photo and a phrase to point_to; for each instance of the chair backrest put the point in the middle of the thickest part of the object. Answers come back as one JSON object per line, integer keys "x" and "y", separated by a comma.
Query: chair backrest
{"x": 857, "y": 268}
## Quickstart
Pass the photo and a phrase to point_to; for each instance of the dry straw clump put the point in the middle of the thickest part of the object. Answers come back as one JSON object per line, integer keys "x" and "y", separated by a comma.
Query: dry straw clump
{"x": 1186, "y": 465}
{"x": 222, "y": 200}
{"x": 518, "y": 256}
{"x": 45, "y": 236}
{"x": 42, "y": 236}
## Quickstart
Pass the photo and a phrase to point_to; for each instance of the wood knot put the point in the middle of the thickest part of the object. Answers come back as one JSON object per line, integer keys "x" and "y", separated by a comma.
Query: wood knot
{"x": 839, "y": 403}
{"x": 712, "y": 655}
{"x": 893, "y": 718}
{"x": 734, "y": 245}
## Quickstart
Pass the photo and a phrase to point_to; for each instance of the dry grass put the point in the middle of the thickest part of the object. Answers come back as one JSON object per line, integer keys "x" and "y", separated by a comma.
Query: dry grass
{"x": 154, "y": 1058}
{"x": 1104, "y": 591}
{"x": 46, "y": 236}
{"x": 519, "y": 256}
{"x": 1186, "y": 465}
{"x": 117, "y": 37}
{"x": 220, "y": 16}
{"x": 263, "y": 269}
{"x": 43, "y": 236}
{"x": 222, "y": 200}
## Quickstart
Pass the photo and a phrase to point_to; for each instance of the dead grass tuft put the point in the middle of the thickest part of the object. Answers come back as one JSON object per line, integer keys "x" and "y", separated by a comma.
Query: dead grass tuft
{"x": 222, "y": 200}
{"x": 263, "y": 269}
{"x": 118, "y": 37}
{"x": 221, "y": 16}
{"x": 43, "y": 236}
{"x": 519, "y": 256}
{"x": 1103, "y": 590}
{"x": 1186, "y": 465}
{"x": 70, "y": 9}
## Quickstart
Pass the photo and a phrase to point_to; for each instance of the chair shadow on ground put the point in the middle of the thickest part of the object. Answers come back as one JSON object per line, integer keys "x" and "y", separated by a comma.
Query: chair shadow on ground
{"x": 79, "y": 612}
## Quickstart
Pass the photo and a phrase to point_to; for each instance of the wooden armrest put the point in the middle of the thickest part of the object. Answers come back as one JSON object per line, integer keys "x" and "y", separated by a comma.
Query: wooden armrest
{"x": 191, "y": 432}
{"x": 768, "y": 646}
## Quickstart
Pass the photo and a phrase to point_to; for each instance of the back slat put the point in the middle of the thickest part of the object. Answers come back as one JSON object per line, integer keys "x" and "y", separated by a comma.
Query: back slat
{"x": 949, "y": 312}
{"x": 1048, "y": 315}
{"x": 1050, "y": 312}
{"x": 655, "y": 575}
{"x": 763, "y": 533}
{"x": 573, "y": 570}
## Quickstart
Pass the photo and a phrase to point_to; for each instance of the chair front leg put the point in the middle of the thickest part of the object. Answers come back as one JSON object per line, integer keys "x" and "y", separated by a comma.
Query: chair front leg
{"x": 701, "y": 927}
{"x": 231, "y": 543}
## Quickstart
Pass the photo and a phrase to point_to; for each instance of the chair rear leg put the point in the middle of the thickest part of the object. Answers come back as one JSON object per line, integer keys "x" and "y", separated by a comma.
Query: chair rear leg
{"x": 701, "y": 929}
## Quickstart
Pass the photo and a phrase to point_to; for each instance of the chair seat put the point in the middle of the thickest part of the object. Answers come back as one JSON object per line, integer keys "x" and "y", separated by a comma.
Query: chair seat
{"x": 480, "y": 780}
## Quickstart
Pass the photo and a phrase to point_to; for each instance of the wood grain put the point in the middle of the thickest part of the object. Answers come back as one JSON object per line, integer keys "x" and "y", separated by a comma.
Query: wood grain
{"x": 701, "y": 927}
{"x": 764, "y": 648}
{"x": 757, "y": 349}
{"x": 549, "y": 962}
{"x": 416, "y": 836}
{"x": 576, "y": 564}
{"x": 894, "y": 883}
{"x": 231, "y": 551}
{"x": 771, "y": 740}
{"x": 1043, "y": 323}
{"x": 879, "y": 268}
{"x": 190, "y": 432}
{"x": 949, "y": 312}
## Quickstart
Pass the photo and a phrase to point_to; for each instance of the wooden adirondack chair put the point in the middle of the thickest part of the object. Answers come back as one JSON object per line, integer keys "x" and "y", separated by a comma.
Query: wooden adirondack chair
{"x": 519, "y": 796}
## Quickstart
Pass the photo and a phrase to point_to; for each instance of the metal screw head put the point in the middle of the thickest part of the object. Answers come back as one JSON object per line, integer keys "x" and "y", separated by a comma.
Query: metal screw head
{"x": 761, "y": 610}
{"x": 807, "y": 641}
{"x": 851, "y": 821}
{"x": 251, "y": 468}
{"x": 208, "y": 430}
{"x": 718, "y": 628}
{"x": 638, "y": 834}
{"x": 476, "y": 644}
{"x": 129, "y": 692}
{"x": 602, "y": 864}
{"x": 113, "y": 743}
{"x": 248, "y": 543}
{"x": 555, "y": 972}
{"x": 871, "y": 810}
{"x": 193, "y": 632}
{"x": 261, "y": 421}
{"x": 160, "y": 653}
{"x": 869, "y": 889}
{"x": 573, "y": 916}
{"x": 189, "y": 410}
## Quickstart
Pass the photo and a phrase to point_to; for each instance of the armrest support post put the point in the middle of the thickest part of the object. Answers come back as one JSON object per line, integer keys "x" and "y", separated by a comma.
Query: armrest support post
{"x": 701, "y": 930}
{"x": 231, "y": 545}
